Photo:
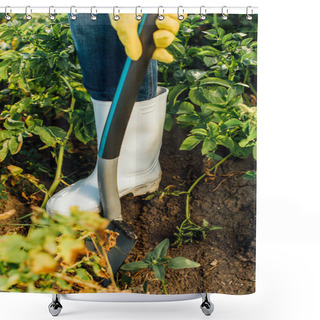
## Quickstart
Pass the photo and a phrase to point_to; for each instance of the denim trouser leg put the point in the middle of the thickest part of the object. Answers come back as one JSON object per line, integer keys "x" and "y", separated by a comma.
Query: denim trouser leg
{"x": 102, "y": 57}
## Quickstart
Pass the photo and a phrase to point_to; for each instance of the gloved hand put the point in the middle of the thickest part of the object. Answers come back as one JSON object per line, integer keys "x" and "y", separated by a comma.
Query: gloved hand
{"x": 127, "y": 30}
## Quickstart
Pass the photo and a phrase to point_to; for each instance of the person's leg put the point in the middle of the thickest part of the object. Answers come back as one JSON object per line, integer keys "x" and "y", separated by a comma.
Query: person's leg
{"x": 101, "y": 56}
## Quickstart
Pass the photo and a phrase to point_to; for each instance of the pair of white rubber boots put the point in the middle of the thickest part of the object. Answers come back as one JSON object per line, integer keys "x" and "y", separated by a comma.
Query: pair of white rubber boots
{"x": 139, "y": 169}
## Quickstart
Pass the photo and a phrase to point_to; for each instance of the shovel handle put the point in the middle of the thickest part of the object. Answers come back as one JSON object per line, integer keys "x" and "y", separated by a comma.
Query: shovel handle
{"x": 125, "y": 97}
{"x": 127, "y": 91}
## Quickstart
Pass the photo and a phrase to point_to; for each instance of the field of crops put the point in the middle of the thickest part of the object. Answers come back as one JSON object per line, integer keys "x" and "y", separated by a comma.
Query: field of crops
{"x": 196, "y": 233}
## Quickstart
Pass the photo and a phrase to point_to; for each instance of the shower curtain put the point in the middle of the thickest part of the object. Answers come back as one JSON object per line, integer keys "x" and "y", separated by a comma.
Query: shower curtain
{"x": 186, "y": 172}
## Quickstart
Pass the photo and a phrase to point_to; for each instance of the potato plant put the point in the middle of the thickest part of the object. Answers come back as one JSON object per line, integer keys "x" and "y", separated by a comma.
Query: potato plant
{"x": 212, "y": 98}
{"x": 40, "y": 87}
{"x": 53, "y": 256}
{"x": 44, "y": 108}
{"x": 158, "y": 261}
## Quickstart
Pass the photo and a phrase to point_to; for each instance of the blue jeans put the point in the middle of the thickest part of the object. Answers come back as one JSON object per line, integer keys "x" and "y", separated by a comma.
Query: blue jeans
{"x": 102, "y": 57}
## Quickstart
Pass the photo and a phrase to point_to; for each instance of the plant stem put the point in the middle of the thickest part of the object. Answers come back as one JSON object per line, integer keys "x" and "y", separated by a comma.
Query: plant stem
{"x": 164, "y": 287}
{"x": 110, "y": 271}
{"x": 252, "y": 88}
{"x": 104, "y": 255}
{"x": 215, "y": 20}
{"x": 247, "y": 81}
{"x": 79, "y": 282}
{"x": 58, "y": 174}
{"x": 188, "y": 216}
{"x": 246, "y": 76}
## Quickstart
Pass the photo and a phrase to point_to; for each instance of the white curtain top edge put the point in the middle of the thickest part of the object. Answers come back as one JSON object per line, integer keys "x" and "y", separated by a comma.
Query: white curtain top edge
{"x": 162, "y": 10}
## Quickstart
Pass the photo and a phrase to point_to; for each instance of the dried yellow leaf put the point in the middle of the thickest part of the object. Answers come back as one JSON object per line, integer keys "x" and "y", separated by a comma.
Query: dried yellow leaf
{"x": 7, "y": 215}
{"x": 42, "y": 262}
{"x": 69, "y": 249}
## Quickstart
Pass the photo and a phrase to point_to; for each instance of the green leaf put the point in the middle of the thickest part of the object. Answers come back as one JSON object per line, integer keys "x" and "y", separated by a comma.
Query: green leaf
{"x": 63, "y": 284}
{"x": 210, "y": 61}
{"x": 159, "y": 271}
{"x": 240, "y": 152}
{"x": 254, "y": 152}
{"x": 149, "y": 257}
{"x": 135, "y": 266}
{"x": 250, "y": 175}
{"x": 196, "y": 95}
{"x": 213, "y": 128}
{"x": 11, "y": 124}
{"x": 5, "y": 134}
{"x": 23, "y": 85}
{"x": 175, "y": 93}
{"x": 199, "y": 132}
{"x": 45, "y": 135}
{"x": 225, "y": 141}
{"x": 11, "y": 248}
{"x": 195, "y": 75}
{"x": 252, "y": 133}
{"x": 83, "y": 274}
{"x": 245, "y": 42}
{"x": 217, "y": 81}
{"x": 185, "y": 108}
{"x": 231, "y": 123}
{"x": 15, "y": 144}
{"x": 168, "y": 122}
{"x": 208, "y": 145}
{"x": 190, "y": 142}
{"x": 178, "y": 48}
{"x": 4, "y": 151}
{"x": 227, "y": 37}
{"x": 81, "y": 133}
{"x": 4, "y": 66}
{"x": 161, "y": 249}
{"x": 58, "y": 132}
{"x": 181, "y": 263}
{"x": 188, "y": 119}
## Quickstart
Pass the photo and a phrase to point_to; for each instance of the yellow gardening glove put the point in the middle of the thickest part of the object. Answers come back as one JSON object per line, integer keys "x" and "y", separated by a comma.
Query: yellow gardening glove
{"x": 127, "y": 30}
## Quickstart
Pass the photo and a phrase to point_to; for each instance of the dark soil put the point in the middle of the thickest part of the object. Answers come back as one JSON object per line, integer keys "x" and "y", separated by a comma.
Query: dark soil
{"x": 8, "y": 226}
{"x": 227, "y": 256}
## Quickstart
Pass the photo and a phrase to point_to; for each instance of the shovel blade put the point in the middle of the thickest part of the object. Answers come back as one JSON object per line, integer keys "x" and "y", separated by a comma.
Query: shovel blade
{"x": 125, "y": 242}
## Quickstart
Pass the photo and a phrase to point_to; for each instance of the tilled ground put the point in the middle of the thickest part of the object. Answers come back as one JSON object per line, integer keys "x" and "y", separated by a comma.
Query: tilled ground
{"x": 227, "y": 256}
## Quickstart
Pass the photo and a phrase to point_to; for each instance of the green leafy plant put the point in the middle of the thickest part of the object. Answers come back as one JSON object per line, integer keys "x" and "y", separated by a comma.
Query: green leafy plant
{"x": 53, "y": 256}
{"x": 157, "y": 261}
{"x": 40, "y": 86}
{"x": 212, "y": 98}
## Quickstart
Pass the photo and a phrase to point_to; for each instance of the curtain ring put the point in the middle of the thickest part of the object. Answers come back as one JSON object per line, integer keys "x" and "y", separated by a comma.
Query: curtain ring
{"x": 138, "y": 15}
{"x": 93, "y": 16}
{"x": 180, "y": 13}
{"x": 249, "y": 15}
{"x": 116, "y": 16}
{"x": 52, "y": 15}
{"x": 203, "y": 13}
{"x": 160, "y": 15}
{"x": 6, "y": 14}
{"x": 224, "y": 13}
{"x": 28, "y": 15}
{"x": 73, "y": 15}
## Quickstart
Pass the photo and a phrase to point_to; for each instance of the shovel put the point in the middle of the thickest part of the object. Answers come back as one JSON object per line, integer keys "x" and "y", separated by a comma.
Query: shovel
{"x": 124, "y": 99}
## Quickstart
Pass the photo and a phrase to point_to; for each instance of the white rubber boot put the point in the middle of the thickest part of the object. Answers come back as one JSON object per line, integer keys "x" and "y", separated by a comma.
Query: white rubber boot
{"x": 139, "y": 169}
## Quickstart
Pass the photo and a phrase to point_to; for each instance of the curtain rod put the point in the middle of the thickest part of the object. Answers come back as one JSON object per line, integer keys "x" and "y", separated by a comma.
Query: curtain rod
{"x": 161, "y": 9}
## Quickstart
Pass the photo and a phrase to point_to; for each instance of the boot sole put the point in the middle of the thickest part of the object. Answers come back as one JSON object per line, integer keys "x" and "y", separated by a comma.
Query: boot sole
{"x": 141, "y": 190}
